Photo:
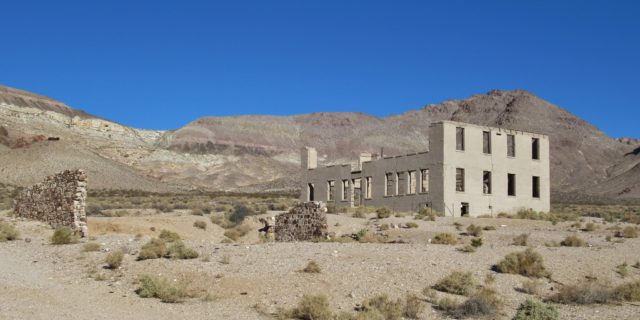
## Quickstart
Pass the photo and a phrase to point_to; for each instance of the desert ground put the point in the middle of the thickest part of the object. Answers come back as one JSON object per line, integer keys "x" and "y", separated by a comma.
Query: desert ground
{"x": 256, "y": 278}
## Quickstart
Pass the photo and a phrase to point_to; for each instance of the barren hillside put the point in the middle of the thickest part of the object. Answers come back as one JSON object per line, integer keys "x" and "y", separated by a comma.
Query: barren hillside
{"x": 252, "y": 153}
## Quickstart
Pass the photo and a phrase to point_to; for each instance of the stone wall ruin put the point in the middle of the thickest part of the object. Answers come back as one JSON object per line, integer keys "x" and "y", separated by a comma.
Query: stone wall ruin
{"x": 305, "y": 221}
{"x": 59, "y": 200}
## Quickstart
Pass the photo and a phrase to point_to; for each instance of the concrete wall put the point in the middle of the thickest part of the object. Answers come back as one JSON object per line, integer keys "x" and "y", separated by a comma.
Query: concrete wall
{"x": 474, "y": 161}
{"x": 442, "y": 160}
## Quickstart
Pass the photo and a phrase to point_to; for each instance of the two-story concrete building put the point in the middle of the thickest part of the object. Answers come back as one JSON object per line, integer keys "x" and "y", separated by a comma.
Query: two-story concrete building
{"x": 469, "y": 170}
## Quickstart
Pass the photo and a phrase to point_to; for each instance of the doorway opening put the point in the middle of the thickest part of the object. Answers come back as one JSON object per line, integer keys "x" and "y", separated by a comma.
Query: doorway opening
{"x": 464, "y": 209}
{"x": 310, "y": 192}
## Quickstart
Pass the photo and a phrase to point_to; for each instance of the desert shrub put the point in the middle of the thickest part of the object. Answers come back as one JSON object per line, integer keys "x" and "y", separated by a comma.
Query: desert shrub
{"x": 359, "y": 213}
{"x": 458, "y": 225}
{"x": 489, "y": 279}
{"x": 197, "y": 212}
{"x": 8, "y": 232}
{"x": 531, "y": 286}
{"x": 240, "y": 211}
{"x": 629, "y": 291}
{"x": 447, "y": 304}
{"x": 476, "y": 242}
{"x": 153, "y": 249}
{"x": 474, "y": 230}
{"x": 588, "y": 292}
{"x": 627, "y": 232}
{"x": 163, "y": 289}
{"x": 91, "y": 247}
{"x": 622, "y": 270}
{"x": 467, "y": 249}
{"x": 310, "y": 307}
{"x": 221, "y": 220}
{"x": 527, "y": 263}
{"x": 521, "y": 240}
{"x": 412, "y": 225}
{"x": 457, "y": 282}
{"x": 590, "y": 227}
{"x": 444, "y": 238}
{"x": 331, "y": 207}
{"x": 482, "y": 303}
{"x": 237, "y": 232}
{"x": 389, "y": 309}
{"x": 384, "y": 227}
{"x": 162, "y": 207}
{"x": 488, "y": 228}
{"x": 572, "y": 241}
{"x": 312, "y": 267}
{"x": 200, "y": 224}
{"x": 178, "y": 250}
{"x": 169, "y": 236}
{"x": 114, "y": 259}
{"x": 637, "y": 265}
{"x": 426, "y": 214}
{"x": 63, "y": 235}
{"x": 536, "y": 310}
{"x": 383, "y": 212}
{"x": 413, "y": 306}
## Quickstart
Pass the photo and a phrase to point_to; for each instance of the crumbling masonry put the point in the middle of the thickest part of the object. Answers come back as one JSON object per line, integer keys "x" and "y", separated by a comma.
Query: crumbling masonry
{"x": 59, "y": 200}
{"x": 305, "y": 221}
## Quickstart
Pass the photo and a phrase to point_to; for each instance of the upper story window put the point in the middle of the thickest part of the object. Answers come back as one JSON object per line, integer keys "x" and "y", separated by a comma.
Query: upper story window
{"x": 486, "y": 142}
{"x": 460, "y": 179}
{"x": 535, "y": 148}
{"x": 460, "y": 138}
{"x": 424, "y": 180}
{"x": 511, "y": 145}
{"x": 331, "y": 187}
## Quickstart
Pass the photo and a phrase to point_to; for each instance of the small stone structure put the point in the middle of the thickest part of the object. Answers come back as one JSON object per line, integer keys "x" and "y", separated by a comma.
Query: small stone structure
{"x": 305, "y": 221}
{"x": 59, "y": 200}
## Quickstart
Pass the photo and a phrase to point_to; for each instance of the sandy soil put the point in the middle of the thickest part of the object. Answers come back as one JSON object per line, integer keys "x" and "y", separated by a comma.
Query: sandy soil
{"x": 42, "y": 281}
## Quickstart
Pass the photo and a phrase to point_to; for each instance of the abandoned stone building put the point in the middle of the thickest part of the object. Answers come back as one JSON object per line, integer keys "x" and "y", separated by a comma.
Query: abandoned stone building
{"x": 469, "y": 170}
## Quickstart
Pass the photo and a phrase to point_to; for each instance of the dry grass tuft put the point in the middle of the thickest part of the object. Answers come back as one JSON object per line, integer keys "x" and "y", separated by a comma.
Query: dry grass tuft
{"x": 8, "y": 232}
{"x": 164, "y": 289}
{"x": 521, "y": 240}
{"x": 627, "y": 232}
{"x": 312, "y": 267}
{"x": 383, "y": 213}
{"x": 91, "y": 247}
{"x": 237, "y": 232}
{"x": 531, "y": 286}
{"x": 457, "y": 282}
{"x": 63, "y": 235}
{"x": 169, "y": 236}
{"x": 527, "y": 263}
{"x": 153, "y": 249}
{"x": 474, "y": 230}
{"x": 573, "y": 241}
{"x": 178, "y": 250}
{"x": 411, "y": 225}
{"x": 536, "y": 310}
{"x": 114, "y": 259}
{"x": 310, "y": 307}
{"x": 483, "y": 303}
{"x": 200, "y": 224}
{"x": 444, "y": 238}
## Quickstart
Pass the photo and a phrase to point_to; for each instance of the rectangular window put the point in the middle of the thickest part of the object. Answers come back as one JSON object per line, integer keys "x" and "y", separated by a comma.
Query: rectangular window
{"x": 388, "y": 184}
{"x": 486, "y": 142}
{"x": 511, "y": 184}
{"x": 424, "y": 180}
{"x": 511, "y": 145}
{"x": 412, "y": 182}
{"x": 401, "y": 185}
{"x": 460, "y": 179}
{"x": 345, "y": 189}
{"x": 368, "y": 186}
{"x": 460, "y": 138}
{"x": 331, "y": 188}
{"x": 535, "y": 148}
{"x": 486, "y": 182}
{"x": 535, "y": 187}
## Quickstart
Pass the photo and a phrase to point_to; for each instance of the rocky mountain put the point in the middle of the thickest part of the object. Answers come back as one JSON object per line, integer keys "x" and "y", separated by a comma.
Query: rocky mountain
{"x": 251, "y": 153}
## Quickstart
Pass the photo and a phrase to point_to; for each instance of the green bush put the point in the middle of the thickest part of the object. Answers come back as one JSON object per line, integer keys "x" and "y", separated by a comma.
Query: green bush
{"x": 476, "y": 242}
{"x": 114, "y": 259}
{"x": 240, "y": 211}
{"x": 178, "y": 250}
{"x": 383, "y": 212}
{"x": 536, "y": 310}
{"x": 63, "y": 235}
{"x": 154, "y": 249}
{"x": 8, "y": 232}
{"x": 527, "y": 263}
{"x": 457, "y": 282}
{"x": 444, "y": 238}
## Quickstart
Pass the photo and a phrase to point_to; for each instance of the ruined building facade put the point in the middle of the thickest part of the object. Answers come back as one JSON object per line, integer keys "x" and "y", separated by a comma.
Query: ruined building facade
{"x": 469, "y": 170}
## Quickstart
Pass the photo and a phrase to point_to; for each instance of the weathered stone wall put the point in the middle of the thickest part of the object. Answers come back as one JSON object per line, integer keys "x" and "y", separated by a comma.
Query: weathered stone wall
{"x": 305, "y": 221}
{"x": 59, "y": 200}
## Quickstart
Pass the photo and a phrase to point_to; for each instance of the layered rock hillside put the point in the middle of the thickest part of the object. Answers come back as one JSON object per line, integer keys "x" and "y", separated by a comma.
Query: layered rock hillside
{"x": 257, "y": 153}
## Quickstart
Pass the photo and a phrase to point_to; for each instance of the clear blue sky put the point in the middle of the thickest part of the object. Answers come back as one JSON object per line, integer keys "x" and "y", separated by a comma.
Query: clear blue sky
{"x": 162, "y": 64}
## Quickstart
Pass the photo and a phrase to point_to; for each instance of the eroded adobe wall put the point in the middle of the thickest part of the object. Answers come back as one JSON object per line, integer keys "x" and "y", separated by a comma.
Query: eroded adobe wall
{"x": 305, "y": 221}
{"x": 59, "y": 200}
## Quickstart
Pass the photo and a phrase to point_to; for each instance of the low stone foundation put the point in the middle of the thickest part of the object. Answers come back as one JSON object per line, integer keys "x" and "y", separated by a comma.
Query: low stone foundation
{"x": 59, "y": 200}
{"x": 305, "y": 221}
